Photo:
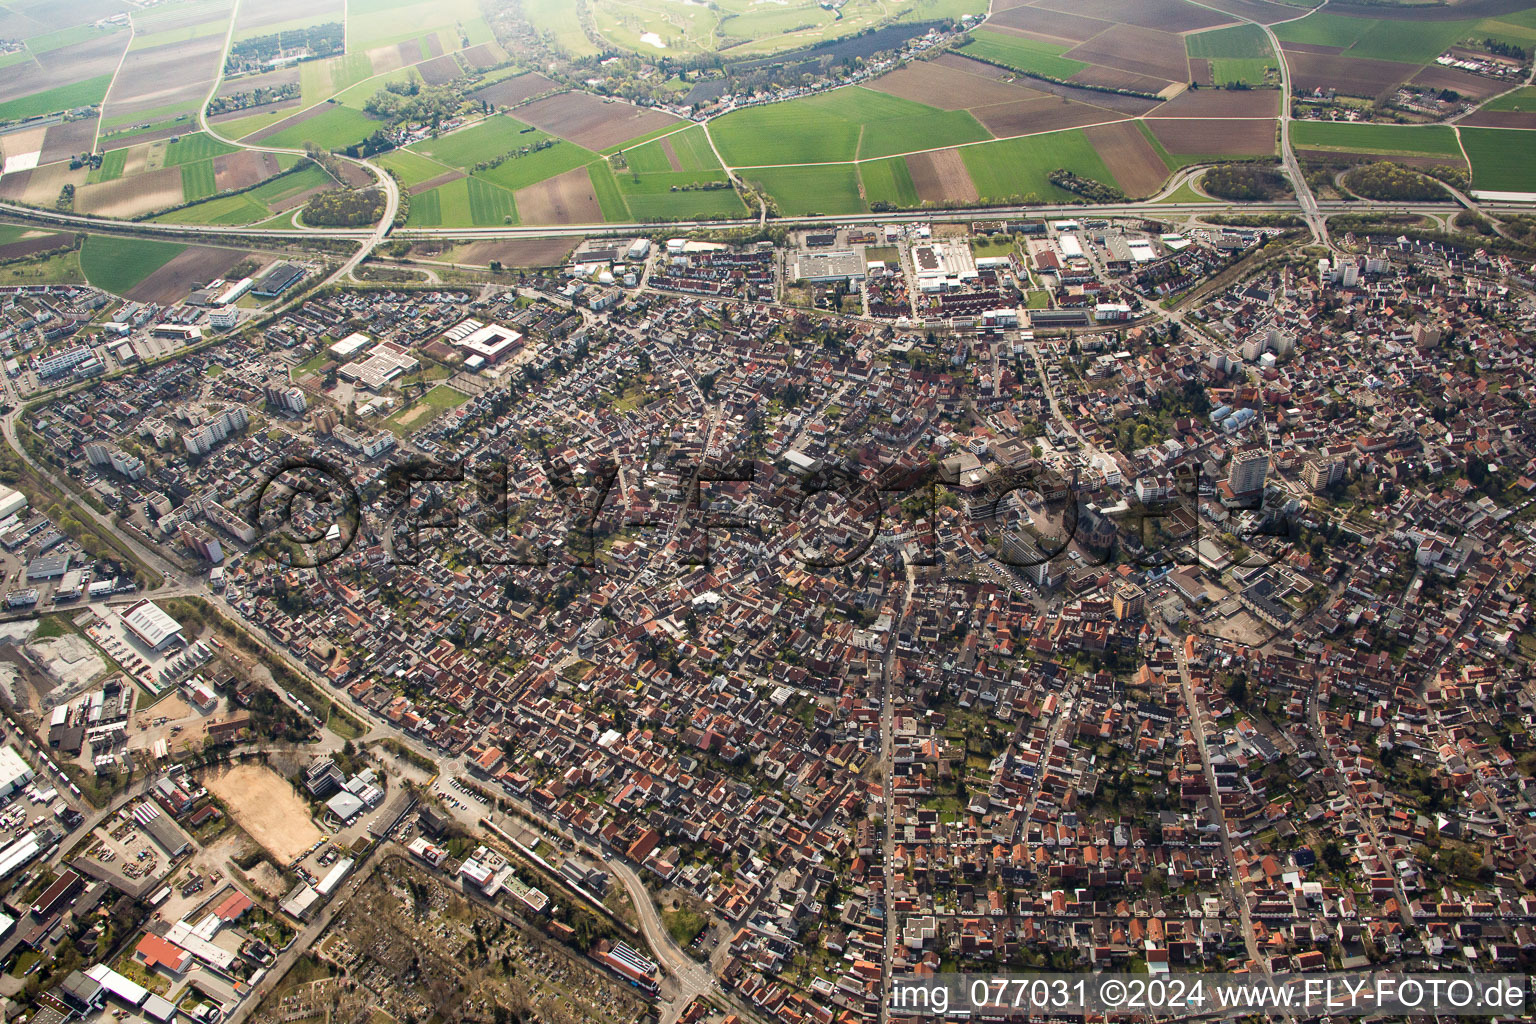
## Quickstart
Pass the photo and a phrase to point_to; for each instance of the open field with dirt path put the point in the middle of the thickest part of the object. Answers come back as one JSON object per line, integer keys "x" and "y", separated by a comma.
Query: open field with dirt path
{"x": 265, "y": 804}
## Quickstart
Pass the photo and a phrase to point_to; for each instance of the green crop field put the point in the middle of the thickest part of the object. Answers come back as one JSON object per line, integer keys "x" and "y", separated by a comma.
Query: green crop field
{"x": 690, "y": 146}
{"x": 252, "y": 205}
{"x": 1386, "y": 139}
{"x": 467, "y": 202}
{"x": 111, "y": 167}
{"x": 801, "y": 191}
{"x": 609, "y": 199}
{"x": 65, "y": 97}
{"x": 1237, "y": 41}
{"x": 1414, "y": 42}
{"x": 189, "y": 149}
{"x": 562, "y": 20}
{"x": 411, "y": 168}
{"x": 489, "y": 205}
{"x": 840, "y": 125}
{"x": 197, "y": 181}
{"x": 650, "y": 196}
{"x": 1501, "y": 159}
{"x": 1521, "y": 99}
{"x": 521, "y": 171}
{"x": 426, "y": 210}
{"x": 372, "y": 23}
{"x": 1021, "y": 54}
{"x": 1017, "y": 167}
{"x": 336, "y": 127}
{"x": 117, "y": 264}
{"x": 490, "y": 138}
{"x": 888, "y": 181}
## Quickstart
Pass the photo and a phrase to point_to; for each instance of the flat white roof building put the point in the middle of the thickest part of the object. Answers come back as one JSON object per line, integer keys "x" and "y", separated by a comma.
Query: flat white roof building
{"x": 491, "y": 342}
{"x": 350, "y": 346}
{"x": 14, "y": 771}
{"x": 149, "y": 622}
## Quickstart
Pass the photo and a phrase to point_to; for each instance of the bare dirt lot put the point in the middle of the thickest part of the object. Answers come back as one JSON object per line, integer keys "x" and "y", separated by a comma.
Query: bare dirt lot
{"x": 1129, "y": 157}
{"x": 564, "y": 199}
{"x": 1210, "y": 137}
{"x": 193, "y": 268}
{"x": 941, "y": 175}
{"x": 1047, "y": 114}
{"x": 131, "y": 196}
{"x": 1356, "y": 76}
{"x": 440, "y": 70}
{"x": 267, "y": 807}
{"x": 1057, "y": 25}
{"x": 517, "y": 252}
{"x": 938, "y": 85}
{"x": 68, "y": 139}
{"x": 513, "y": 90}
{"x": 242, "y": 169}
{"x": 1141, "y": 51}
{"x": 588, "y": 121}
{"x": 179, "y": 74}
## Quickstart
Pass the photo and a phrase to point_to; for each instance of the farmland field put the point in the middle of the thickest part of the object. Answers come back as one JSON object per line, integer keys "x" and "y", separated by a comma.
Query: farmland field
{"x": 1523, "y": 99}
{"x": 1501, "y": 159}
{"x": 255, "y": 204}
{"x": 1398, "y": 39}
{"x": 1016, "y": 167}
{"x": 411, "y": 168}
{"x": 65, "y": 97}
{"x": 650, "y": 196}
{"x": 117, "y": 264}
{"x": 1237, "y": 54}
{"x": 800, "y": 191}
{"x": 335, "y": 127}
{"x": 888, "y": 181}
{"x": 483, "y": 141}
{"x": 839, "y": 125}
{"x": 1387, "y": 139}
{"x": 197, "y": 181}
{"x": 521, "y": 171}
{"x": 467, "y": 202}
{"x": 1023, "y": 54}
{"x": 193, "y": 148}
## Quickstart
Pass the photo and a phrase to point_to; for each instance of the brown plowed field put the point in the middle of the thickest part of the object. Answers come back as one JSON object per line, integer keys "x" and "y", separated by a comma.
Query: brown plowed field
{"x": 1069, "y": 28}
{"x": 1476, "y": 86}
{"x": 972, "y": 67}
{"x": 28, "y": 140}
{"x": 941, "y": 175}
{"x": 1215, "y": 137}
{"x": 410, "y": 51}
{"x": 194, "y": 268}
{"x": 165, "y": 76}
{"x": 440, "y": 70}
{"x": 129, "y": 197}
{"x": 386, "y": 58}
{"x": 1200, "y": 71}
{"x": 1114, "y": 78}
{"x": 1501, "y": 119}
{"x": 1129, "y": 157}
{"x": 483, "y": 56}
{"x": 1042, "y": 115}
{"x": 939, "y": 86}
{"x": 242, "y": 169}
{"x": 1221, "y": 103}
{"x": 66, "y": 66}
{"x": 1165, "y": 15}
{"x": 1140, "y": 50}
{"x": 1108, "y": 100}
{"x": 588, "y": 121}
{"x": 434, "y": 46}
{"x": 68, "y": 139}
{"x": 1355, "y": 76}
{"x": 27, "y": 246}
{"x": 1261, "y": 11}
{"x": 41, "y": 185}
{"x": 430, "y": 184}
{"x": 510, "y": 91}
{"x": 564, "y": 199}
{"x": 1289, "y": 47}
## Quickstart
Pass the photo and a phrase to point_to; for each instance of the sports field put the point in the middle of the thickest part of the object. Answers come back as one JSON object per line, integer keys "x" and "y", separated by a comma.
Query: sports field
{"x": 432, "y": 404}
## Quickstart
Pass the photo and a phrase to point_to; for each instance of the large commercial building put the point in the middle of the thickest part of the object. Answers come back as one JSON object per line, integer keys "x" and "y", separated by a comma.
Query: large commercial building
{"x": 1250, "y": 467}
{"x": 154, "y": 628}
{"x": 490, "y": 342}
{"x": 14, "y": 771}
